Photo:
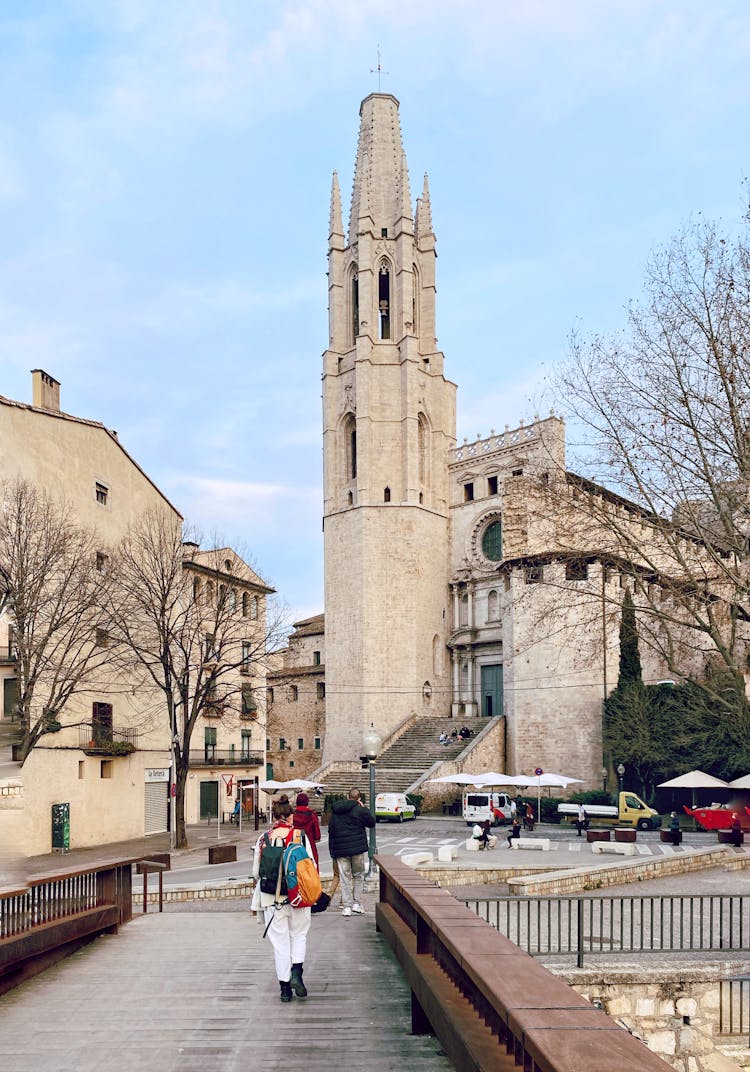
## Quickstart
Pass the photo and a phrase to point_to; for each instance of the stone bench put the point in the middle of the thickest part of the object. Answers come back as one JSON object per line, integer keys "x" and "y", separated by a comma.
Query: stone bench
{"x": 475, "y": 845}
{"x": 417, "y": 859}
{"x": 597, "y": 835}
{"x": 619, "y": 847}
{"x": 542, "y": 843}
{"x": 447, "y": 853}
{"x": 726, "y": 837}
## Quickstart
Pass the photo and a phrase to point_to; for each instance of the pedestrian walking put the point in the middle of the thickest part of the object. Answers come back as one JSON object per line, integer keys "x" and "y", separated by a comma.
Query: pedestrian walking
{"x": 306, "y": 820}
{"x": 582, "y": 822}
{"x": 347, "y": 843}
{"x": 736, "y": 827}
{"x": 515, "y": 830}
{"x": 286, "y": 926}
{"x": 674, "y": 828}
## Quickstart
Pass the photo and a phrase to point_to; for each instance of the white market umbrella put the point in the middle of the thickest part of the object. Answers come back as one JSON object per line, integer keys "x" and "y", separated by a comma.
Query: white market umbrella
{"x": 740, "y": 783}
{"x": 295, "y": 783}
{"x": 457, "y": 779}
{"x": 694, "y": 779}
{"x": 494, "y": 778}
{"x": 548, "y": 780}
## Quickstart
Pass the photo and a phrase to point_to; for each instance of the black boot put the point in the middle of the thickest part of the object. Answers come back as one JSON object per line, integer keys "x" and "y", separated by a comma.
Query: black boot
{"x": 286, "y": 991}
{"x": 296, "y": 981}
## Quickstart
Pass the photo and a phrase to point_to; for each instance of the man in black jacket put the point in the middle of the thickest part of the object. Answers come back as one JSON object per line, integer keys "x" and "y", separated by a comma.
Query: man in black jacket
{"x": 347, "y": 843}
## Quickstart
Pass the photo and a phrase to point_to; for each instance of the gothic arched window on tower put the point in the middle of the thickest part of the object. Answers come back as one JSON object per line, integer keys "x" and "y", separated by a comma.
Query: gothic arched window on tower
{"x": 355, "y": 306}
{"x": 422, "y": 441}
{"x": 386, "y": 495}
{"x": 384, "y": 302}
{"x": 350, "y": 441}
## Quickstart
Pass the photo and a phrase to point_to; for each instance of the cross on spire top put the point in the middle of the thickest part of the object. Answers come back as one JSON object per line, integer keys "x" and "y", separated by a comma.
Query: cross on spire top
{"x": 378, "y": 70}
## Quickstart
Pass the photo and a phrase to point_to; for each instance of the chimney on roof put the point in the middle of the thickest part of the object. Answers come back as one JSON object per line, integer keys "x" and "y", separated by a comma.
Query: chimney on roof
{"x": 45, "y": 393}
{"x": 189, "y": 548}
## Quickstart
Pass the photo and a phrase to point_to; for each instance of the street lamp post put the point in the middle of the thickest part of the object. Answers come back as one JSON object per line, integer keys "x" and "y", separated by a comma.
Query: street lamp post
{"x": 620, "y": 773}
{"x": 604, "y": 779}
{"x": 371, "y": 742}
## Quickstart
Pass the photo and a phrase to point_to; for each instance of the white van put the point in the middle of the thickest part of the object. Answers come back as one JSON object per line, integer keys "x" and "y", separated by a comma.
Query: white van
{"x": 393, "y": 806}
{"x": 480, "y": 805}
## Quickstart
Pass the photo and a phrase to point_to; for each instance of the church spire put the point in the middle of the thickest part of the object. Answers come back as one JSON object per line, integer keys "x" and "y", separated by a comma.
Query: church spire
{"x": 378, "y": 169}
{"x": 336, "y": 222}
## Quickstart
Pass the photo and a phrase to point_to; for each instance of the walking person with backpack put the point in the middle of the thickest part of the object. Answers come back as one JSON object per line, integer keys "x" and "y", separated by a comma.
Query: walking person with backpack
{"x": 347, "y": 844}
{"x": 286, "y": 925}
{"x": 305, "y": 819}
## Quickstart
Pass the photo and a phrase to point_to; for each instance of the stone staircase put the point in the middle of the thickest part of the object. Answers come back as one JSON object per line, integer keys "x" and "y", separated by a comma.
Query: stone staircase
{"x": 400, "y": 765}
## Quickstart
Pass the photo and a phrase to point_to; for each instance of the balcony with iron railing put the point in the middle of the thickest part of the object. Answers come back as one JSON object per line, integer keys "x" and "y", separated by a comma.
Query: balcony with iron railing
{"x": 8, "y": 654}
{"x": 98, "y": 740}
{"x": 226, "y": 757}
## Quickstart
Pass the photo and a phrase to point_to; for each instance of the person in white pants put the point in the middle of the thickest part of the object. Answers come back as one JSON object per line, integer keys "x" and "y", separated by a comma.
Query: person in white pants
{"x": 286, "y": 927}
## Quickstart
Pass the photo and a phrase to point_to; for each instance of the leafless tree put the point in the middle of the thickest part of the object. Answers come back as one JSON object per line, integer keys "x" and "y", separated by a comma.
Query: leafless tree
{"x": 663, "y": 414}
{"x": 187, "y": 634}
{"x": 53, "y": 596}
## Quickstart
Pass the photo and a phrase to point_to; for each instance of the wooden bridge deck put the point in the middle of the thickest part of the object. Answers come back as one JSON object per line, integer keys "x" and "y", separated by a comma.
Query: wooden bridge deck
{"x": 189, "y": 991}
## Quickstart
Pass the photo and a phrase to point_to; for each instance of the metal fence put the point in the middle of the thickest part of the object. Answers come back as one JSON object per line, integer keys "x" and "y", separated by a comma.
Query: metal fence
{"x": 576, "y": 926}
{"x": 734, "y": 1007}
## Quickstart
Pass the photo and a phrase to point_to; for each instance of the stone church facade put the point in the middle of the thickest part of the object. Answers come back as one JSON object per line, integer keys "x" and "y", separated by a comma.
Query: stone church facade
{"x": 458, "y": 579}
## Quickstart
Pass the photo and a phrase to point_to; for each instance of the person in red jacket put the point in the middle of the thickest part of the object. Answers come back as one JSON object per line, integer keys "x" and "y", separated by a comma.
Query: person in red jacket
{"x": 307, "y": 821}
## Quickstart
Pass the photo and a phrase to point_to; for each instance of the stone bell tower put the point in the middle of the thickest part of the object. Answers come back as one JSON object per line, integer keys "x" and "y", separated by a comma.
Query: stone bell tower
{"x": 388, "y": 424}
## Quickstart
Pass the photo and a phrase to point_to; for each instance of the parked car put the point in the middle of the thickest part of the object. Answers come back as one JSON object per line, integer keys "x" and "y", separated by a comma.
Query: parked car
{"x": 393, "y": 806}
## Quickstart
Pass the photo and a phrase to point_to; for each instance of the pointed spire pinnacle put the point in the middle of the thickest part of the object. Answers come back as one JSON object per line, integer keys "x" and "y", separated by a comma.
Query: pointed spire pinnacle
{"x": 336, "y": 221}
{"x": 424, "y": 210}
{"x": 377, "y": 190}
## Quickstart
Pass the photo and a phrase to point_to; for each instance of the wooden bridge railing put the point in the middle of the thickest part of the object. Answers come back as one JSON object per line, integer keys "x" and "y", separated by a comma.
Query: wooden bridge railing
{"x": 491, "y": 1005}
{"x": 54, "y": 914}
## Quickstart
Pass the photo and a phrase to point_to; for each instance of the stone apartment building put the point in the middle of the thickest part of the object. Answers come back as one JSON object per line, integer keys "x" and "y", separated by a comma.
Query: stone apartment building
{"x": 109, "y": 762}
{"x": 296, "y": 703}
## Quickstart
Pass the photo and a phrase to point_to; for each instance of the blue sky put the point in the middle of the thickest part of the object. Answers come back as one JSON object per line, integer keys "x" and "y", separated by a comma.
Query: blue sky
{"x": 164, "y": 189}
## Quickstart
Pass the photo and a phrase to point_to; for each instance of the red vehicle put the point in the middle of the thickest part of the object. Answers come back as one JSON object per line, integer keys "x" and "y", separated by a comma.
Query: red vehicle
{"x": 719, "y": 816}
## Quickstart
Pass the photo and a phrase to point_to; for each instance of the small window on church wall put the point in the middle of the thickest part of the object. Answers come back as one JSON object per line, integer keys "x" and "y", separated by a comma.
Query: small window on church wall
{"x": 387, "y": 495}
{"x": 350, "y": 499}
{"x": 492, "y": 541}
{"x": 576, "y": 571}
{"x": 469, "y": 492}
{"x": 492, "y": 605}
{"x": 384, "y": 302}
{"x": 355, "y": 307}
{"x": 492, "y": 485}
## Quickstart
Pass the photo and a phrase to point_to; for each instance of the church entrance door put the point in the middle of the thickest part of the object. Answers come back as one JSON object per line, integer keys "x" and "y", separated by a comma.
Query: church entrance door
{"x": 492, "y": 690}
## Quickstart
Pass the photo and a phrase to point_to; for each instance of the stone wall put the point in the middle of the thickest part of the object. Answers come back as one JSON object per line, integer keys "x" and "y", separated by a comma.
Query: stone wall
{"x": 674, "y": 1009}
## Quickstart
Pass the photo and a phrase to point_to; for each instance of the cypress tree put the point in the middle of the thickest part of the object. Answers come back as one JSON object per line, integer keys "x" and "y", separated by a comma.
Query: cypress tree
{"x": 630, "y": 658}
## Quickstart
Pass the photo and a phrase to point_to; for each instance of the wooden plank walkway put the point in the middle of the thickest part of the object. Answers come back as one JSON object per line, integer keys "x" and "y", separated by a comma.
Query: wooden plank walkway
{"x": 188, "y": 991}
